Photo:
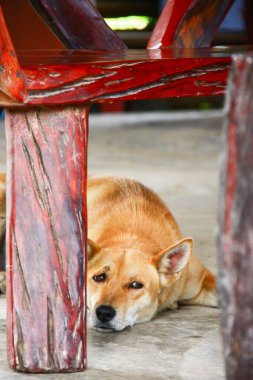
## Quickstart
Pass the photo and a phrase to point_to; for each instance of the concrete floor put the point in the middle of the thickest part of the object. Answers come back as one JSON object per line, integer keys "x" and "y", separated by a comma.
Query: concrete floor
{"x": 179, "y": 160}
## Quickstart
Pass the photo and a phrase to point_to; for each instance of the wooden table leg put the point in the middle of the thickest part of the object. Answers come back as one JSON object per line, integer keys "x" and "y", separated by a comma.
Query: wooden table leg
{"x": 46, "y": 237}
{"x": 235, "y": 243}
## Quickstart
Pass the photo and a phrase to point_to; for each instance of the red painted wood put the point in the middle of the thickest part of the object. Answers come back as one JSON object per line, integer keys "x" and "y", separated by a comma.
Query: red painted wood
{"x": 235, "y": 246}
{"x": 188, "y": 23}
{"x": 136, "y": 76}
{"x": 46, "y": 235}
{"x": 167, "y": 24}
{"x": 78, "y": 24}
{"x": 64, "y": 78}
{"x": 133, "y": 80}
{"x": 11, "y": 77}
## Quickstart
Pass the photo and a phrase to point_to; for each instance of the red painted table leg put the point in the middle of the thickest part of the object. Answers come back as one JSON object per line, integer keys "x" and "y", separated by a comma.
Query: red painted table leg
{"x": 12, "y": 82}
{"x": 78, "y": 24}
{"x": 46, "y": 234}
{"x": 236, "y": 225}
{"x": 188, "y": 23}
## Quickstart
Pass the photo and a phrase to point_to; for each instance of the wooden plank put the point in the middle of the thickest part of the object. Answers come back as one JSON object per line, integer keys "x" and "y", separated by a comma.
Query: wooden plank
{"x": 46, "y": 238}
{"x": 78, "y": 24}
{"x": 235, "y": 246}
{"x": 67, "y": 77}
{"x": 188, "y": 23}
{"x": 12, "y": 83}
{"x": 84, "y": 76}
{"x": 130, "y": 81}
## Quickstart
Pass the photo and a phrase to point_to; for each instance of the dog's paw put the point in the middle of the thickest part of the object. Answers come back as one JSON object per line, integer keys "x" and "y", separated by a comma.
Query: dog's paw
{"x": 2, "y": 282}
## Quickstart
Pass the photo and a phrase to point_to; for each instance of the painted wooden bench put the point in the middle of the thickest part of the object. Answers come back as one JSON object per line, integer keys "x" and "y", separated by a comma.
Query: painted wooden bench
{"x": 47, "y": 95}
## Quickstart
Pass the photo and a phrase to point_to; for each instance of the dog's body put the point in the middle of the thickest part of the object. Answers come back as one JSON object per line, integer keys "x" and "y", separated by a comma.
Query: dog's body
{"x": 138, "y": 262}
{"x": 2, "y": 232}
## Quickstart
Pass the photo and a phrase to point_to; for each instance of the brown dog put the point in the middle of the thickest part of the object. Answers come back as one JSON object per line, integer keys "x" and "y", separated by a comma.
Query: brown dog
{"x": 2, "y": 231}
{"x": 138, "y": 262}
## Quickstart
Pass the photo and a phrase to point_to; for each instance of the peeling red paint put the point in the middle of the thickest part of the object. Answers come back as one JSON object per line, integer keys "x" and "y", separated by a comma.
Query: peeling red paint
{"x": 46, "y": 239}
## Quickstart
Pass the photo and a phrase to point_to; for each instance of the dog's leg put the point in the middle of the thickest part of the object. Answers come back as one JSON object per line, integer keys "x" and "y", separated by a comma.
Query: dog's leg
{"x": 2, "y": 256}
{"x": 207, "y": 295}
{"x": 2, "y": 282}
{"x": 2, "y": 244}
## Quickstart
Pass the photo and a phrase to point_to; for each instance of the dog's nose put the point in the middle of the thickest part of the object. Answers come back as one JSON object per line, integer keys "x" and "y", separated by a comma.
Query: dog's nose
{"x": 105, "y": 313}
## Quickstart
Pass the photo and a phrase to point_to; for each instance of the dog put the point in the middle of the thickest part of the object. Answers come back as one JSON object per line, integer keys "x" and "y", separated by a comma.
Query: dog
{"x": 2, "y": 233}
{"x": 138, "y": 261}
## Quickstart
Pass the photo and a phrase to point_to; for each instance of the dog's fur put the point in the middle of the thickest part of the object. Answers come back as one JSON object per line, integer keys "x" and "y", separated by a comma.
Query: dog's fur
{"x": 135, "y": 239}
{"x": 2, "y": 232}
{"x": 138, "y": 261}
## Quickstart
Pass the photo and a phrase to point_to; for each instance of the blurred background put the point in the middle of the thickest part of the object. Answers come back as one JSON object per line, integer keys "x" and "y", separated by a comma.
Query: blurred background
{"x": 134, "y": 21}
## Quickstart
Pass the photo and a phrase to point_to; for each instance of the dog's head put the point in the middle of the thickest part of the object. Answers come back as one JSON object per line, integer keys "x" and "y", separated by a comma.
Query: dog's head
{"x": 124, "y": 284}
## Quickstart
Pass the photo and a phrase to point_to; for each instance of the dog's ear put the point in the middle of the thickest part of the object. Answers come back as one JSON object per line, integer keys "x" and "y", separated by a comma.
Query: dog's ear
{"x": 92, "y": 249}
{"x": 174, "y": 259}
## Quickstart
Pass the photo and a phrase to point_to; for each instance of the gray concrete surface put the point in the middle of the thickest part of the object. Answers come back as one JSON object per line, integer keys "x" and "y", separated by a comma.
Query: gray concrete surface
{"x": 179, "y": 160}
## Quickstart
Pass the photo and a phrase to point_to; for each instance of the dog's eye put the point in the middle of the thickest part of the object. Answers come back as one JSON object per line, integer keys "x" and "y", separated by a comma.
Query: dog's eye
{"x": 135, "y": 285}
{"x": 99, "y": 277}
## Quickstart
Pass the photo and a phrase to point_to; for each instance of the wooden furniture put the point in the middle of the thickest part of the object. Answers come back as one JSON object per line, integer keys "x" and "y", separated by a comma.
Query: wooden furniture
{"x": 235, "y": 244}
{"x": 47, "y": 96}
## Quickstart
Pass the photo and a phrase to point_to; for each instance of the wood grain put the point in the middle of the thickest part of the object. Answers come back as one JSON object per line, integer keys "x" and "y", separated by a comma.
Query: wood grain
{"x": 188, "y": 23}
{"x": 46, "y": 237}
{"x": 235, "y": 245}
{"x": 78, "y": 24}
{"x": 64, "y": 78}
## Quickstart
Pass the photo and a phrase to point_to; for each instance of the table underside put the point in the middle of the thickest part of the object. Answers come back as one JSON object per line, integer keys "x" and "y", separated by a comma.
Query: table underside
{"x": 79, "y": 76}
